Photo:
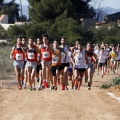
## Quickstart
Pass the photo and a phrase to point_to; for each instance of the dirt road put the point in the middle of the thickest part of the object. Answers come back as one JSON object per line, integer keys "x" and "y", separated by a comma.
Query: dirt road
{"x": 60, "y": 105}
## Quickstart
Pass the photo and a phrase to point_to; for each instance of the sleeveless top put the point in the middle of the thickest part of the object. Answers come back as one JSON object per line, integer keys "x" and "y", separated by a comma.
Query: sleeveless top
{"x": 63, "y": 55}
{"x": 31, "y": 54}
{"x": 102, "y": 58}
{"x": 18, "y": 54}
{"x": 80, "y": 60}
{"x": 113, "y": 55}
{"x": 46, "y": 54}
{"x": 56, "y": 58}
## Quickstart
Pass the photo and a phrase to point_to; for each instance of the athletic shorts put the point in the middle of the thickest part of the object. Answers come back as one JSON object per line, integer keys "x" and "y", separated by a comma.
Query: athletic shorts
{"x": 70, "y": 69}
{"x": 31, "y": 64}
{"x": 80, "y": 69}
{"x": 18, "y": 63}
{"x": 90, "y": 65}
{"x": 25, "y": 63}
{"x": 38, "y": 68}
{"x": 46, "y": 63}
{"x": 65, "y": 65}
{"x": 54, "y": 68}
{"x": 101, "y": 64}
{"x": 113, "y": 60}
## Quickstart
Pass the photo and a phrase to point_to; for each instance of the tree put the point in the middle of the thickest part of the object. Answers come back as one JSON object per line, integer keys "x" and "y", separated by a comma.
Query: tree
{"x": 44, "y": 10}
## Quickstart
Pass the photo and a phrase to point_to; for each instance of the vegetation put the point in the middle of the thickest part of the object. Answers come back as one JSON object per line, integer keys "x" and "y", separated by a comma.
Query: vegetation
{"x": 115, "y": 82}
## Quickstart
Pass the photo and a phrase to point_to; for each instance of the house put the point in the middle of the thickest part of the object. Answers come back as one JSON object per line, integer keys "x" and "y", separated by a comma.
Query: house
{"x": 4, "y": 19}
{"x": 87, "y": 22}
{"x": 112, "y": 17}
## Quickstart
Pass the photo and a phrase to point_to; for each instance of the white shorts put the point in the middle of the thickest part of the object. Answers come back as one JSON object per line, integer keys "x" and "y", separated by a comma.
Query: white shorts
{"x": 18, "y": 63}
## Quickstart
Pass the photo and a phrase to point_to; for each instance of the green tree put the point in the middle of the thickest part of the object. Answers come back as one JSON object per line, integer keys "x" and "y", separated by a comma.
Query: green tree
{"x": 44, "y": 10}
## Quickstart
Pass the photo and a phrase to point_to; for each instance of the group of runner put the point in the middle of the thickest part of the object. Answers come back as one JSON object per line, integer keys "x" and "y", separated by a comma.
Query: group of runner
{"x": 51, "y": 64}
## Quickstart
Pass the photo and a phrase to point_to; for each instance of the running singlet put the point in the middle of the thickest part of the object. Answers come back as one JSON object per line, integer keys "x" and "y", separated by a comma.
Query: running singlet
{"x": 118, "y": 57}
{"x": 89, "y": 55}
{"x": 113, "y": 55}
{"x": 63, "y": 55}
{"x": 18, "y": 54}
{"x": 31, "y": 55}
{"x": 46, "y": 54}
{"x": 80, "y": 60}
{"x": 56, "y": 58}
{"x": 102, "y": 58}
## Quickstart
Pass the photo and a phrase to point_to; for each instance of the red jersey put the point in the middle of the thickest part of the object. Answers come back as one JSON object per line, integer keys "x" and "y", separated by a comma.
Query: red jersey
{"x": 18, "y": 54}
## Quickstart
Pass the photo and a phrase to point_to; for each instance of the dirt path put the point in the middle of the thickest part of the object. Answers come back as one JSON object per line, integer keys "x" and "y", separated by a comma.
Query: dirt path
{"x": 60, "y": 105}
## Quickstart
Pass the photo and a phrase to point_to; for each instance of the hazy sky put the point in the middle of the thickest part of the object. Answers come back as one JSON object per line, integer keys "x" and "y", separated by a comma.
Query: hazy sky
{"x": 105, "y": 3}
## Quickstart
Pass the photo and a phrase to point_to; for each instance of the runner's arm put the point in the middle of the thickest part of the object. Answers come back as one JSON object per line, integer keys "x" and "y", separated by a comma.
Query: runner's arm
{"x": 12, "y": 52}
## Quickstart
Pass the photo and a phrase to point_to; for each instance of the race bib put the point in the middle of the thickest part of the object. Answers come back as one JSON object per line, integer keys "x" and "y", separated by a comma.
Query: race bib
{"x": 30, "y": 56}
{"x": 46, "y": 54}
{"x": 55, "y": 59}
{"x": 79, "y": 60}
{"x": 89, "y": 59}
{"x": 19, "y": 56}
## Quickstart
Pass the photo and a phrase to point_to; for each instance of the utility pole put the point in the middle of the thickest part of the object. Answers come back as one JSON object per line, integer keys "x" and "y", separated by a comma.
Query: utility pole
{"x": 21, "y": 11}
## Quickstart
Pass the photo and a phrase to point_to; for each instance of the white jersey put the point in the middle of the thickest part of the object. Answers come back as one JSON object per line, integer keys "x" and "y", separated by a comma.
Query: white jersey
{"x": 80, "y": 60}
{"x": 102, "y": 58}
{"x": 118, "y": 57}
{"x": 96, "y": 51}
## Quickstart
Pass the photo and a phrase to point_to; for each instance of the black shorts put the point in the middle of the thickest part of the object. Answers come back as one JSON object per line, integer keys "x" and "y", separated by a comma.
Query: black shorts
{"x": 101, "y": 64}
{"x": 38, "y": 68}
{"x": 65, "y": 65}
{"x": 24, "y": 64}
{"x": 80, "y": 69}
{"x": 54, "y": 68}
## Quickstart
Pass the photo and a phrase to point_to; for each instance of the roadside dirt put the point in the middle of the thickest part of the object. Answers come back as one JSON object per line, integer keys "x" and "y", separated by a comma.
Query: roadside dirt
{"x": 59, "y": 105}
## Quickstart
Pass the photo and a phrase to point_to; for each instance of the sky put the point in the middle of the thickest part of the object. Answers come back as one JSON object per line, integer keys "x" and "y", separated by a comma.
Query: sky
{"x": 105, "y": 3}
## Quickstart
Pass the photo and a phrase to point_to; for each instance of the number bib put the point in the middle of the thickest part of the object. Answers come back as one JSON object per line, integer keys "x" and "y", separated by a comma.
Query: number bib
{"x": 55, "y": 59}
{"x": 79, "y": 60}
{"x": 46, "y": 54}
{"x": 19, "y": 56}
{"x": 89, "y": 59}
{"x": 30, "y": 56}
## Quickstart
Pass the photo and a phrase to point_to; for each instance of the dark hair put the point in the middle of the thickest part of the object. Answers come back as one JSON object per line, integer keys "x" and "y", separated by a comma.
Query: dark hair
{"x": 45, "y": 35}
{"x": 63, "y": 38}
{"x": 32, "y": 38}
{"x": 24, "y": 38}
{"x": 88, "y": 42}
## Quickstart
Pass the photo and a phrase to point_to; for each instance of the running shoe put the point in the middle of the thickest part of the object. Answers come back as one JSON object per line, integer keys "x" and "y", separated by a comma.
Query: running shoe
{"x": 40, "y": 88}
{"x": 75, "y": 87}
{"x": 58, "y": 82}
{"x": 20, "y": 87}
{"x": 52, "y": 88}
{"x": 55, "y": 88}
{"x": 46, "y": 84}
{"x": 89, "y": 88}
{"x": 30, "y": 89}
{"x": 34, "y": 89}
{"x": 78, "y": 88}
{"x": 86, "y": 80}
{"x": 66, "y": 88}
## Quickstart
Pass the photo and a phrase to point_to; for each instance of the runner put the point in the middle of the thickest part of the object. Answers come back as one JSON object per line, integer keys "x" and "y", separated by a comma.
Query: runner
{"x": 56, "y": 69}
{"x": 79, "y": 63}
{"x": 31, "y": 64}
{"x": 113, "y": 58}
{"x": 46, "y": 57}
{"x": 18, "y": 55}
{"x": 91, "y": 60}
{"x": 101, "y": 60}
{"x": 118, "y": 58}
{"x": 25, "y": 77}
{"x": 65, "y": 62}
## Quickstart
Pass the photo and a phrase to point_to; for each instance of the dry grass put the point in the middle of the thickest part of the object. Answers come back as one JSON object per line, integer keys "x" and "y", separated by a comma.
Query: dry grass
{"x": 6, "y": 64}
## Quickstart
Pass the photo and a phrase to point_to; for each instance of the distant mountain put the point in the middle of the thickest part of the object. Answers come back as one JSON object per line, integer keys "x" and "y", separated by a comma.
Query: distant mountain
{"x": 109, "y": 10}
